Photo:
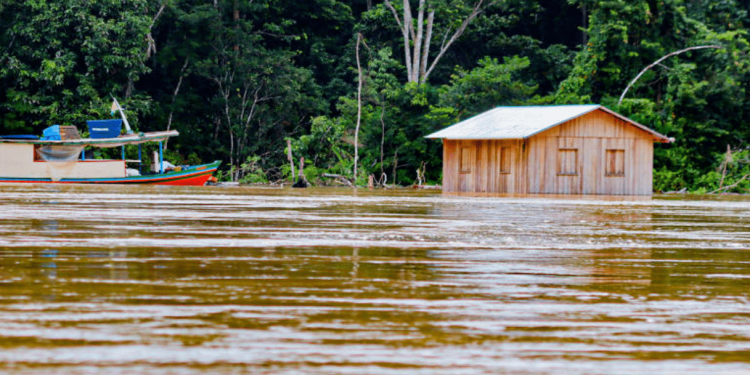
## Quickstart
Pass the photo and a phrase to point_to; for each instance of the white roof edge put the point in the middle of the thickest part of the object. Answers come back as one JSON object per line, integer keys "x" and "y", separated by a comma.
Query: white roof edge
{"x": 477, "y": 116}
{"x": 657, "y": 136}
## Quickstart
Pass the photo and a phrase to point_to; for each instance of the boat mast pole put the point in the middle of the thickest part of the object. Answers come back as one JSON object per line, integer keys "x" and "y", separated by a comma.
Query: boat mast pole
{"x": 161, "y": 159}
{"x": 122, "y": 114}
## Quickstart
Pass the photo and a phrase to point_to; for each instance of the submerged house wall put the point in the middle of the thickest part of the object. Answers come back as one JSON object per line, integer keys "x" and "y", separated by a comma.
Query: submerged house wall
{"x": 596, "y": 153}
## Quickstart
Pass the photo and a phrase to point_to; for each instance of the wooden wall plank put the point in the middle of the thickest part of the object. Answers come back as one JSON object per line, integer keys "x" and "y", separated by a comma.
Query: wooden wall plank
{"x": 593, "y": 166}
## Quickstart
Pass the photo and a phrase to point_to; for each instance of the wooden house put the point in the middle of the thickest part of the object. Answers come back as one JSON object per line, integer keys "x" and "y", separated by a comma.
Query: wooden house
{"x": 570, "y": 149}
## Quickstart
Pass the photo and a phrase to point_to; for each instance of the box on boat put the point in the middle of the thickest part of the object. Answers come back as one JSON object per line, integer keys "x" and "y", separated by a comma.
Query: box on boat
{"x": 104, "y": 128}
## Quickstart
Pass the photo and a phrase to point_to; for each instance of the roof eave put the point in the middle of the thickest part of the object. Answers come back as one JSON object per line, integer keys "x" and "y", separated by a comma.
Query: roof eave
{"x": 661, "y": 138}
{"x": 477, "y": 138}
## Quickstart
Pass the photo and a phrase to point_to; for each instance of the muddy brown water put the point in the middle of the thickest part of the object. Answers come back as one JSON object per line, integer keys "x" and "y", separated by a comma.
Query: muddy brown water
{"x": 164, "y": 280}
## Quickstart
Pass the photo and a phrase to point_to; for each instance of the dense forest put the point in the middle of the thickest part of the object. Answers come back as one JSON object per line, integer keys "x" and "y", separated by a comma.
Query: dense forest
{"x": 241, "y": 79}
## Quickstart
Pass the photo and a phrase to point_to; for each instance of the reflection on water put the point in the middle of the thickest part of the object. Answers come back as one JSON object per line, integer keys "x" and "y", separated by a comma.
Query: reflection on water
{"x": 207, "y": 280}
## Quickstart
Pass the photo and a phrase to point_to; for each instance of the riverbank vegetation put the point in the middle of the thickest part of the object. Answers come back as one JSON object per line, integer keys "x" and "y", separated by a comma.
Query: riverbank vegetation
{"x": 371, "y": 78}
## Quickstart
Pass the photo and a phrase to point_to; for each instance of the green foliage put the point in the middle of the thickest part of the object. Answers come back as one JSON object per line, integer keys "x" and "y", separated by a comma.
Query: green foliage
{"x": 252, "y": 173}
{"x": 489, "y": 85}
{"x": 325, "y": 146}
{"x": 60, "y": 60}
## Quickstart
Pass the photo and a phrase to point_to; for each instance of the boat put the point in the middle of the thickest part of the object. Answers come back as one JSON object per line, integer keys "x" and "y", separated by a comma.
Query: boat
{"x": 25, "y": 159}
{"x": 60, "y": 157}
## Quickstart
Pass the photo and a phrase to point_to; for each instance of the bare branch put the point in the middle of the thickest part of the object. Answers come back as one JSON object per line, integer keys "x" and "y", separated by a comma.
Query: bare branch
{"x": 664, "y": 66}
{"x": 161, "y": 9}
{"x": 151, "y": 47}
{"x": 445, "y": 38}
{"x": 478, "y": 9}
{"x": 174, "y": 97}
{"x": 279, "y": 36}
{"x": 653, "y": 64}
{"x": 728, "y": 187}
{"x": 395, "y": 14}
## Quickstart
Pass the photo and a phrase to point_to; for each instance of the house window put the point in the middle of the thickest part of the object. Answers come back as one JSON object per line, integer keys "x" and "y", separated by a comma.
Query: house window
{"x": 466, "y": 160}
{"x": 615, "y": 163}
{"x": 505, "y": 160}
{"x": 567, "y": 162}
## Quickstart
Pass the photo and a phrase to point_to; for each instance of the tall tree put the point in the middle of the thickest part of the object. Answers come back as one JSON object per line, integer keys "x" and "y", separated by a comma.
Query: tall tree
{"x": 417, "y": 44}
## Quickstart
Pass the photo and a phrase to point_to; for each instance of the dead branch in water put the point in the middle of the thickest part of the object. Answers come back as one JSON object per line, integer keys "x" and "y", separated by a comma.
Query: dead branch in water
{"x": 339, "y": 178}
{"x": 728, "y": 187}
{"x": 420, "y": 174}
{"x": 301, "y": 180}
{"x": 427, "y": 187}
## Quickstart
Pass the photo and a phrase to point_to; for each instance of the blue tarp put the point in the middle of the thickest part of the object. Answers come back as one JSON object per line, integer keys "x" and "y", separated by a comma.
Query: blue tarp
{"x": 52, "y": 133}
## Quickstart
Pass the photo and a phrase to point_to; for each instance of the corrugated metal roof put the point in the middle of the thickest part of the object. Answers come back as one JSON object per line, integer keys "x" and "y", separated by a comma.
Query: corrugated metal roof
{"x": 524, "y": 122}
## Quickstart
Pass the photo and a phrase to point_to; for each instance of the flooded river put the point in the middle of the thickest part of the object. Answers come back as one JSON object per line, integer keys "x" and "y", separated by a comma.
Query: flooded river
{"x": 165, "y": 280}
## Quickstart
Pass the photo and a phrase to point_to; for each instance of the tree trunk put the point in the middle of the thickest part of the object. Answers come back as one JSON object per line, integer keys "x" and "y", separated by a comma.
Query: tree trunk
{"x": 395, "y": 165}
{"x": 405, "y": 32}
{"x": 476, "y": 11}
{"x": 428, "y": 38}
{"x": 416, "y": 57}
{"x": 236, "y": 18}
{"x": 359, "y": 109}
{"x": 174, "y": 97}
{"x": 151, "y": 44}
{"x": 408, "y": 31}
{"x": 585, "y": 26}
{"x": 382, "y": 136}
{"x": 418, "y": 42}
{"x": 289, "y": 156}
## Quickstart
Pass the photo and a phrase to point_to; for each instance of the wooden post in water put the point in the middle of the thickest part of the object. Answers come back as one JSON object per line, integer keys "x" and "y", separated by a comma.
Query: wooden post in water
{"x": 289, "y": 156}
{"x": 301, "y": 179}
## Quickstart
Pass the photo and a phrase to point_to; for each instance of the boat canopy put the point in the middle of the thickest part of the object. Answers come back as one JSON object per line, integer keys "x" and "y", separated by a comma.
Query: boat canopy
{"x": 128, "y": 139}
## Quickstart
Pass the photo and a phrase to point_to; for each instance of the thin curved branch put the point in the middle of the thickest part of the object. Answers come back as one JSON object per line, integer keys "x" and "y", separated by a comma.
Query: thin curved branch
{"x": 655, "y": 63}
{"x": 476, "y": 11}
